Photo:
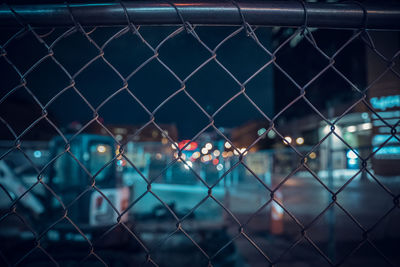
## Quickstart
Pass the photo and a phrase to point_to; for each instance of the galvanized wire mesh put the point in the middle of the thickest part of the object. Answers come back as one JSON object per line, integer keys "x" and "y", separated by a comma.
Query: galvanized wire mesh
{"x": 187, "y": 28}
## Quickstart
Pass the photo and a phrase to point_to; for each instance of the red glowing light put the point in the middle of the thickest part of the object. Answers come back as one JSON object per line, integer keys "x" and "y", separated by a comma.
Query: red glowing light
{"x": 215, "y": 161}
{"x": 191, "y": 146}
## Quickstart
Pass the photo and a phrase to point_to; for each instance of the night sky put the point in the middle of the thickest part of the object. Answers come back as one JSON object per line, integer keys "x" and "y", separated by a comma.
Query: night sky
{"x": 211, "y": 86}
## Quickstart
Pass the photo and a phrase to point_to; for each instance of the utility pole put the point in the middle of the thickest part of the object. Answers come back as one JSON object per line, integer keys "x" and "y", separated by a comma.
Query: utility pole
{"x": 331, "y": 211}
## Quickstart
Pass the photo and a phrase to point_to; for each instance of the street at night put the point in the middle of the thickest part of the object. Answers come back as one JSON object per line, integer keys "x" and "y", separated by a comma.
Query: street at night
{"x": 208, "y": 133}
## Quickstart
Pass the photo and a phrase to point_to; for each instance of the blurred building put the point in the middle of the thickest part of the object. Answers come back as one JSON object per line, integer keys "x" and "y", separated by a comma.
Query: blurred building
{"x": 150, "y": 133}
{"x": 384, "y": 97}
{"x": 246, "y": 134}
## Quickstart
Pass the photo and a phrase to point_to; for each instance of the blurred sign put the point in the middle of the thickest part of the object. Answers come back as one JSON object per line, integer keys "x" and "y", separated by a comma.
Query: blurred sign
{"x": 192, "y": 146}
{"x": 386, "y": 102}
{"x": 386, "y": 146}
{"x": 101, "y": 212}
{"x": 384, "y": 97}
{"x": 257, "y": 162}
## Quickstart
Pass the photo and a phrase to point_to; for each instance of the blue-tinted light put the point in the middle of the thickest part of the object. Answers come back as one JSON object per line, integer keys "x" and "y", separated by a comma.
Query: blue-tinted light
{"x": 37, "y": 153}
{"x": 387, "y": 150}
{"x": 352, "y": 154}
{"x": 385, "y": 102}
{"x": 352, "y": 159}
{"x": 261, "y": 131}
{"x": 381, "y": 138}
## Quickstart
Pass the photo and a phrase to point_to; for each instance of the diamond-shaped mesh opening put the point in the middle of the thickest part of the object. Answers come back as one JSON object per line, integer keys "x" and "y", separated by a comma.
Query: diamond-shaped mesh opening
{"x": 266, "y": 245}
{"x": 379, "y": 199}
{"x": 135, "y": 52}
{"x": 289, "y": 60}
{"x": 244, "y": 203}
{"x": 162, "y": 85}
{"x": 130, "y": 110}
{"x": 23, "y": 58}
{"x": 63, "y": 236}
{"x": 79, "y": 113}
{"x": 231, "y": 117}
{"x": 176, "y": 53}
{"x": 56, "y": 80}
{"x": 101, "y": 211}
{"x": 75, "y": 62}
{"x": 149, "y": 208}
{"x": 100, "y": 78}
{"x": 351, "y": 46}
{"x": 211, "y": 87}
{"x": 208, "y": 210}
{"x": 298, "y": 108}
{"x": 243, "y": 65}
{"x": 178, "y": 187}
{"x": 184, "y": 113}
{"x": 251, "y": 255}
{"x": 260, "y": 88}
{"x": 314, "y": 93}
{"x": 387, "y": 77}
{"x": 28, "y": 110}
{"x": 306, "y": 210}
{"x": 344, "y": 228}
{"x": 70, "y": 177}
{"x": 215, "y": 241}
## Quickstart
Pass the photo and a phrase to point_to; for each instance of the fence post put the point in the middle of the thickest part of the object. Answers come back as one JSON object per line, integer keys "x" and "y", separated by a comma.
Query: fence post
{"x": 331, "y": 211}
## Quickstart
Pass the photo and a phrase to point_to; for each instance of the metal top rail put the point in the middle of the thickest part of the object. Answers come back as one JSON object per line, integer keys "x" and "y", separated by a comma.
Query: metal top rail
{"x": 349, "y": 14}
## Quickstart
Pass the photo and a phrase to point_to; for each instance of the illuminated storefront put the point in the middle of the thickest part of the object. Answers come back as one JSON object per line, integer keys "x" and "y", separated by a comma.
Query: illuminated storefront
{"x": 384, "y": 98}
{"x": 385, "y": 130}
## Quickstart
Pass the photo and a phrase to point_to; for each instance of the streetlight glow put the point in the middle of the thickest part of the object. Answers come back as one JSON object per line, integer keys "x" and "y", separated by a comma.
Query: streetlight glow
{"x": 351, "y": 129}
{"x": 300, "y": 140}
{"x": 227, "y": 145}
{"x": 287, "y": 140}
{"x": 101, "y": 149}
{"x": 174, "y": 146}
{"x": 208, "y": 146}
{"x": 196, "y": 155}
{"x": 188, "y": 164}
{"x": 220, "y": 167}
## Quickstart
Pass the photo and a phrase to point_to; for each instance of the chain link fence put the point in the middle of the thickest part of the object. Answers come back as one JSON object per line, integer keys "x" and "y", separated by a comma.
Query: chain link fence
{"x": 90, "y": 191}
